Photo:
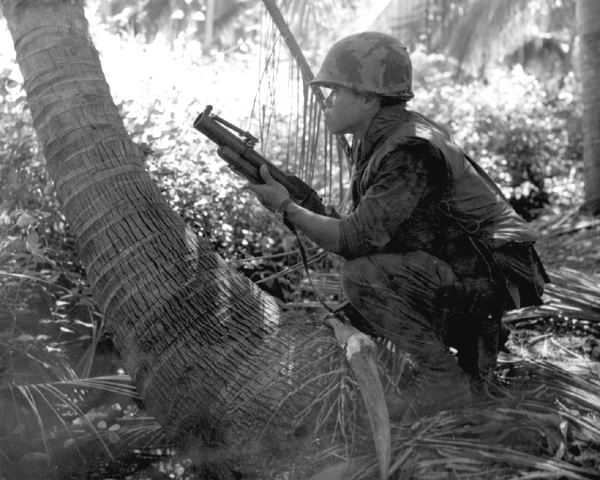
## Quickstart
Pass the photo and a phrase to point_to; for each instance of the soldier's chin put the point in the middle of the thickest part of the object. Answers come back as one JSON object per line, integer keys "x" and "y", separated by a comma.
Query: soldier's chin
{"x": 331, "y": 128}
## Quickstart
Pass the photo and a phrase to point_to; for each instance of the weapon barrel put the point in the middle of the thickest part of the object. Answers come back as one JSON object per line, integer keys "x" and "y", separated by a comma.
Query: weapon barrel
{"x": 246, "y": 161}
{"x": 224, "y": 138}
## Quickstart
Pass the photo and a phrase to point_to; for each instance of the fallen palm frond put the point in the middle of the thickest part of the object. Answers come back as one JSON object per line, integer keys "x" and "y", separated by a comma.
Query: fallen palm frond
{"x": 65, "y": 413}
{"x": 572, "y": 299}
{"x": 546, "y": 428}
{"x": 360, "y": 353}
{"x": 565, "y": 223}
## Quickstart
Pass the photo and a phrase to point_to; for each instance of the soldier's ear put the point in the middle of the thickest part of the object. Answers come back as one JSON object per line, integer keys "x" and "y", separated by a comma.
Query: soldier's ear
{"x": 371, "y": 101}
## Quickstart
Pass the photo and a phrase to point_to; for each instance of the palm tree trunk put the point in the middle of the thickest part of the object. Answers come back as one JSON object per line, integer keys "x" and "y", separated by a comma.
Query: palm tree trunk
{"x": 212, "y": 356}
{"x": 588, "y": 20}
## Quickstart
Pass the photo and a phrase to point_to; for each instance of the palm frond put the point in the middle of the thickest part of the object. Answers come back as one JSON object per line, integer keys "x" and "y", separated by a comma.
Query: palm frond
{"x": 59, "y": 410}
{"x": 315, "y": 22}
{"x": 84, "y": 366}
{"x": 473, "y": 31}
{"x": 492, "y": 29}
{"x": 407, "y": 20}
{"x": 119, "y": 384}
{"x": 572, "y": 300}
{"x": 546, "y": 428}
{"x": 287, "y": 111}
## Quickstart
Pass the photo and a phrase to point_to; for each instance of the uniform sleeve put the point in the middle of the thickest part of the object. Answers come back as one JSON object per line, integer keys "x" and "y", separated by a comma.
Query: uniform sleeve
{"x": 394, "y": 193}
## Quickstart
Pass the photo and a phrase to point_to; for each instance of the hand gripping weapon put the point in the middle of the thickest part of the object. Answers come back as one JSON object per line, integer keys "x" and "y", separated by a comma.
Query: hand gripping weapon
{"x": 245, "y": 161}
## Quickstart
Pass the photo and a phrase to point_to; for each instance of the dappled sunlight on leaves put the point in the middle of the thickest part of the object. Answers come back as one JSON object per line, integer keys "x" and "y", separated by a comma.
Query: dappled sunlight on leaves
{"x": 529, "y": 142}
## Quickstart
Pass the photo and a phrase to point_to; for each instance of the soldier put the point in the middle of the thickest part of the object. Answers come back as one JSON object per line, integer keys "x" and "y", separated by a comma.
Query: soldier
{"x": 433, "y": 253}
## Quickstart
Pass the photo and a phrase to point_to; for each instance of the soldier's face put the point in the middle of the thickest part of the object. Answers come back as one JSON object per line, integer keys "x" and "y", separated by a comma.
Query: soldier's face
{"x": 346, "y": 111}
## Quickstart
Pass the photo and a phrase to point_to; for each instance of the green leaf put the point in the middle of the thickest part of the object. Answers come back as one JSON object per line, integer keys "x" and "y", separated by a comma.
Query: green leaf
{"x": 25, "y": 220}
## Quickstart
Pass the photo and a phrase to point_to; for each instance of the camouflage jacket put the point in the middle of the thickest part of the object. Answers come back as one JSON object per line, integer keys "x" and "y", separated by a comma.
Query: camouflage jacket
{"x": 414, "y": 189}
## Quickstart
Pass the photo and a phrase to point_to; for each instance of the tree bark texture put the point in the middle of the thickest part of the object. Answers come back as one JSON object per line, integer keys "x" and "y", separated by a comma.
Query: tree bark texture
{"x": 213, "y": 357}
{"x": 588, "y": 20}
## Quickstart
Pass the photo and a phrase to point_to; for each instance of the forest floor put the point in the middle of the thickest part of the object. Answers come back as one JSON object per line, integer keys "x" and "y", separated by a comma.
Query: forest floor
{"x": 570, "y": 240}
{"x": 569, "y": 247}
{"x": 48, "y": 325}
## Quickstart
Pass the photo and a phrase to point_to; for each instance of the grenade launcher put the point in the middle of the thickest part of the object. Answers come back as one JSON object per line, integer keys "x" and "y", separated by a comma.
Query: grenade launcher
{"x": 245, "y": 161}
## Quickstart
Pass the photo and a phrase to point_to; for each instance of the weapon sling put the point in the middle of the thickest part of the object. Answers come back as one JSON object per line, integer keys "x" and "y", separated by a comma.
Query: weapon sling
{"x": 246, "y": 162}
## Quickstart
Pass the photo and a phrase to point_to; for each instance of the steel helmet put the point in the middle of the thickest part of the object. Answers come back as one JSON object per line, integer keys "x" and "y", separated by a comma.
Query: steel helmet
{"x": 371, "y": 62}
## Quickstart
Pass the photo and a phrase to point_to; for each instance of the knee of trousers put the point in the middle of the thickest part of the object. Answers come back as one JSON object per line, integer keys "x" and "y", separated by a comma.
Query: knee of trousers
{"x": 395, "y": 270}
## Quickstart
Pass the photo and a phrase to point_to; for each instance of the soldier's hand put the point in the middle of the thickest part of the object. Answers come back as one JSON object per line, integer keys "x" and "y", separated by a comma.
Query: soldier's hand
{"x": 272, "y": 193}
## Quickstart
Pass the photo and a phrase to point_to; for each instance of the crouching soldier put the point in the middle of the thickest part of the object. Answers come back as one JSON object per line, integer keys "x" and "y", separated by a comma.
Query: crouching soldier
{"x": 433, "y": 253}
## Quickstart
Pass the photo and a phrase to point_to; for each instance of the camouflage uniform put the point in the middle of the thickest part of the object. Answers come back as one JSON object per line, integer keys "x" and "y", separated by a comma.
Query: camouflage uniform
{"x": 433, "y": 255}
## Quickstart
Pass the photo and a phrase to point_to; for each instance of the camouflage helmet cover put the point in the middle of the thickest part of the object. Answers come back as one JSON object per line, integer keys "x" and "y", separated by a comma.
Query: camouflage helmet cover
{"x": 368, "y": 62}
